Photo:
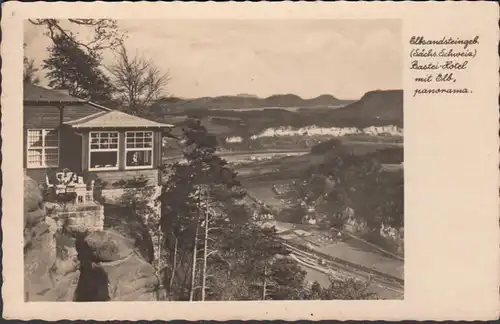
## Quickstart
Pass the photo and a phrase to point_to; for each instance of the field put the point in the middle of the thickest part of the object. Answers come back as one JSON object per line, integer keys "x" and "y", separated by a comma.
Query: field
{"x": 350, "y": 250}
{"x": 287, "y": 168}
{"x": 315, "y": 275}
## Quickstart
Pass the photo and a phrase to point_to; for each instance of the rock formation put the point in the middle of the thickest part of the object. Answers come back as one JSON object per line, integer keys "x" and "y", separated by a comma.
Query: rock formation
{"x": 50, "y": 270}
{"x": 113, "y": 270}
{"x": 62, "y": 265}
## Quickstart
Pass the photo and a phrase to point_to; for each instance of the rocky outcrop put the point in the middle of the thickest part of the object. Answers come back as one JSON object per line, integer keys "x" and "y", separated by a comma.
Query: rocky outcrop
{"x": 111, "y": 269}
{"x": 50, "y": 269}
{"x": 62, "y": 265}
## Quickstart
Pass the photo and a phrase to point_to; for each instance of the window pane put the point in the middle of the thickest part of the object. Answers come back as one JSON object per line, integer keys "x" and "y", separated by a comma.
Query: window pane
{"x": 139, "y": 158}
{"x": 51, "y": 138}
{"x": 139, "y": 139}
{"x": 35, "y": 138}
{"x": 104, "y": 141}
{"x": 51, "y": 157}
{"x": 34, "y": 157}
{"x": 103, "y": 160}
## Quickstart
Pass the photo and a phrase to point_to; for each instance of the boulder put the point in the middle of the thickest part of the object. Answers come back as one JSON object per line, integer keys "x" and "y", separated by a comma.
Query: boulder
{"x": 31, "y": 218}
{"x": 131, "y": 279}
{"x": 112, "y": 270}
{"x": 32, "y": 195}
{"x": 108, "y": 245}
{"x": 39, "y": 258}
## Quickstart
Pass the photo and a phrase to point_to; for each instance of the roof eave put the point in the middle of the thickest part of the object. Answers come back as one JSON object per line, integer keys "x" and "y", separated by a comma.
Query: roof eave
{"x": 53, "y": 102}
{"x": 117, "y": 127}
{"x": 99, "y": 106}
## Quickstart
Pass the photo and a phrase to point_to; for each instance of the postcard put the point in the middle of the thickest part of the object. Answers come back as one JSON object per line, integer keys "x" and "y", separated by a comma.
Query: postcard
{"x": 268, "y": 161}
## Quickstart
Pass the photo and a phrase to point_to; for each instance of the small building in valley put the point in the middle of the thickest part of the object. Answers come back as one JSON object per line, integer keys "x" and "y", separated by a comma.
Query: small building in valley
{"x": 95, "y": 143}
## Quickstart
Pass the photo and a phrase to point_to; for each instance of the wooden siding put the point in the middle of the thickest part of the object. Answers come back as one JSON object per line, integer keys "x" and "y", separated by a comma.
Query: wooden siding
{"x": 41, "y": 116}
{"x": 85, "y": 151}
{"x": 49, "y": 116}
{"x": 157, "y": 148}
{"x": 111, "y": 178}
{"x": 76, "y": 112}
{"x": 157, "y": 141}
{"x": 70, "y": 150}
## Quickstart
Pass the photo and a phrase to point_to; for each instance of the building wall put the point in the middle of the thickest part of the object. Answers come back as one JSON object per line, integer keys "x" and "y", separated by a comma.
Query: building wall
{"x": 74, "y": 149}
{"x": 48, "y": 116}
{"x": 70, "y": 150}
{"x": 109, "y": 179}
{"x": 157, "y": 147}
{"x": 79, "y": 219}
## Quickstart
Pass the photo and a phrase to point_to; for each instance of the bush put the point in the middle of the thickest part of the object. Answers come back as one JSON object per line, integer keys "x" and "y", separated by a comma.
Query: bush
{"x": 294, "y": 214}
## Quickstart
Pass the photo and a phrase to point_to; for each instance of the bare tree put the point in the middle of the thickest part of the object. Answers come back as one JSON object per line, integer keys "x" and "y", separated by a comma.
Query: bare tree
{"x": 105, "y": 32}
{"x": 137, "y": 80}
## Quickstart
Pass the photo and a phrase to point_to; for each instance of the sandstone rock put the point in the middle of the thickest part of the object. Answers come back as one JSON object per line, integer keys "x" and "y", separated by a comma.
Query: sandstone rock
{"x": 131, "y": 279}
{"x": 112, "y": 270}
{"x": 31, "y": 218}
{"x": 108, "y": 245}
{"x": 47, "y": 275}
{"x": 32, "y": 195}
{"x": 99, "y": 266}
{"x": 39, "y": 258}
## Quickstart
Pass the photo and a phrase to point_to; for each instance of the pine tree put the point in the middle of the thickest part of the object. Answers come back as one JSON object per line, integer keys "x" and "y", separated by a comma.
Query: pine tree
{"x": 29, "y": 69}
{"x": 195, "y": 203}
{"x": 214, "y": 250}
{"x": 70, "y": 67}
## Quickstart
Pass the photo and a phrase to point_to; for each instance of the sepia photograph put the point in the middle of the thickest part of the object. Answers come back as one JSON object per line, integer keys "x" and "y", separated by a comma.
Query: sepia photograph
{"x": 213, "y": 160}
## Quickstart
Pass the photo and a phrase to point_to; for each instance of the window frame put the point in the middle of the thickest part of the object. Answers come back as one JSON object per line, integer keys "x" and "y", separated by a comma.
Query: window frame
{"x": 136, "y": 167}
{"x": 117, "y": 150}
{"x": 43, "y": 148}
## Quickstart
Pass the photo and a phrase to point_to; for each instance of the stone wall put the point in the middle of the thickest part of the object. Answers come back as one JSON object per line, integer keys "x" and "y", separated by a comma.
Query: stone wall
{"x": 77, "y": 218}
{"x": 113, "y": 196}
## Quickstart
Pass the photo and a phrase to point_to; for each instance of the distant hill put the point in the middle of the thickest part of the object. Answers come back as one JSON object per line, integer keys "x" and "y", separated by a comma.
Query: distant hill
{"x": 246, "y": 95}
{"x": 225, "y": 115}
{"x": 245, "y": 101}
{"x": 377, "y": 107}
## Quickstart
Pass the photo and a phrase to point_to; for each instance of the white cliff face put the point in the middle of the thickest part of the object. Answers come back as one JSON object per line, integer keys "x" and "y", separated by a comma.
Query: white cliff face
{"x": 234, "y": 139}
{"x": 313, "y": 130}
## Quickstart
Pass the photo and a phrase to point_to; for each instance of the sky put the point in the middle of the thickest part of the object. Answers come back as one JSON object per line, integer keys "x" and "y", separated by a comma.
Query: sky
{"x": 343, "y": 58}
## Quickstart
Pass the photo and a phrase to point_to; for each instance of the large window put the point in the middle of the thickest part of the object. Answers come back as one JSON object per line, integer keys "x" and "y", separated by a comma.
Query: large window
{"x": 103, "y": 151}
{"x": 139, "y": 150}
{"x": 42, "y": 148}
